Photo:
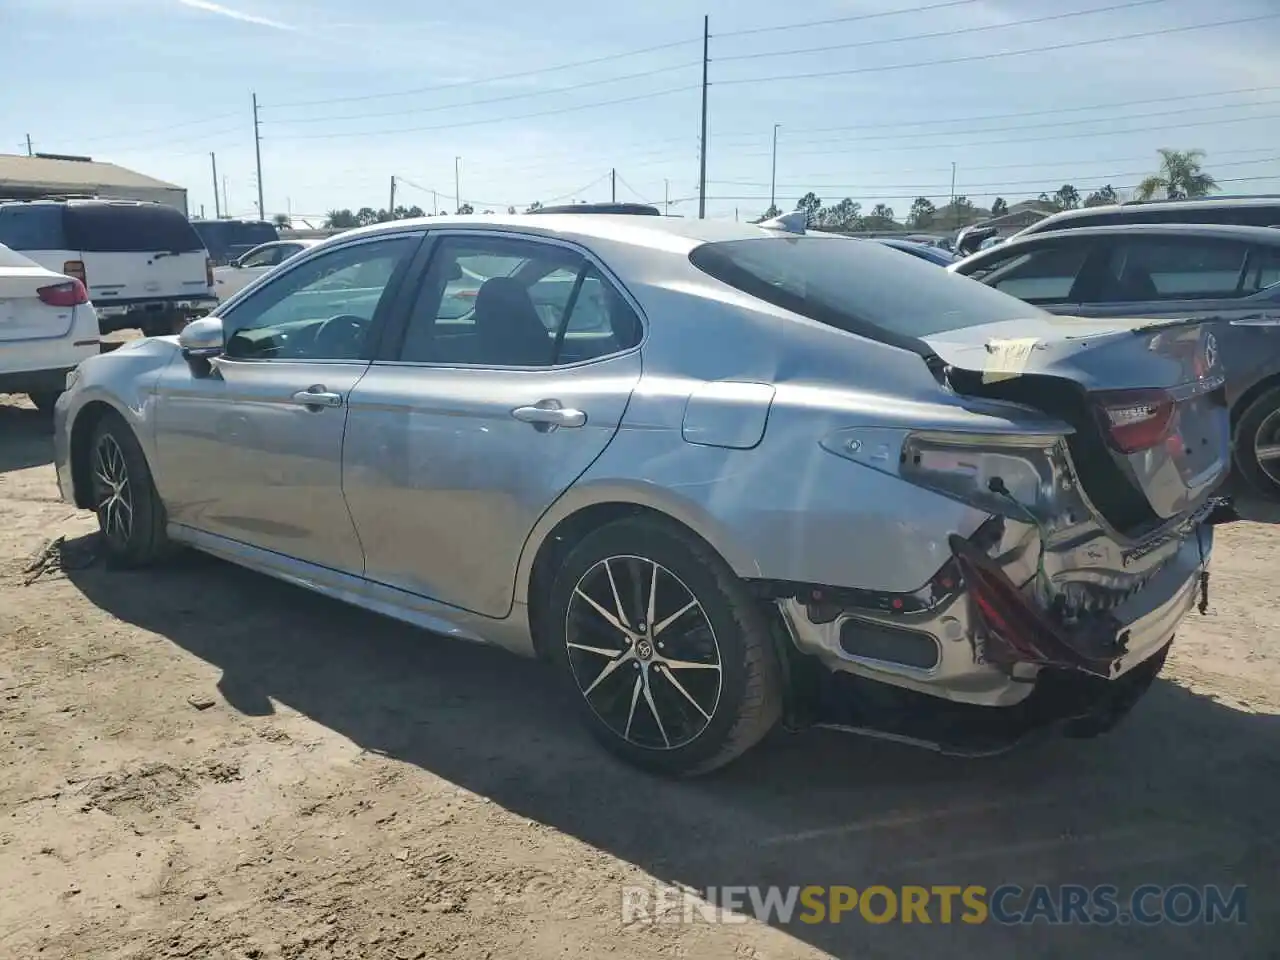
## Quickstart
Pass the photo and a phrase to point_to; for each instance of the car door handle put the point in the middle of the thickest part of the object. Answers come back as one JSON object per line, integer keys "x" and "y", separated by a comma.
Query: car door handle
{"x": 317, "y": 397}
{"x": 549, "y": 413}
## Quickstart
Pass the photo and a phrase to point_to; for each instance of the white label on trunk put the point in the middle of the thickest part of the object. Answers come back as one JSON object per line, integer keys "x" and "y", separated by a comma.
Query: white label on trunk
{"x": 1007, "y": 359}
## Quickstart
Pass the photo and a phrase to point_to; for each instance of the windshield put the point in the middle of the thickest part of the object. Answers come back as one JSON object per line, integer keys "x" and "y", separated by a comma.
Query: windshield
{"x": 857, "y": 286}
{"x": 135, "y": 228}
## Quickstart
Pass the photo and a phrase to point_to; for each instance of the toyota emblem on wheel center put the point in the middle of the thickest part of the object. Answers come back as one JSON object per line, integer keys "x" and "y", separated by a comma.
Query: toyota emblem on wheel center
{"x": 1210, "y": 352}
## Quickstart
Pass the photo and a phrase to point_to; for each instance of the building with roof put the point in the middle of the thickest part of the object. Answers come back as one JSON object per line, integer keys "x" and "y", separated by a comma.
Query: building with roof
{"x": 50, "y": 175}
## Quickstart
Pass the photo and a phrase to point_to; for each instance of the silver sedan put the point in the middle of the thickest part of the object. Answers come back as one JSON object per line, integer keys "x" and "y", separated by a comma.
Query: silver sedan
{"x": 717, "y": 475}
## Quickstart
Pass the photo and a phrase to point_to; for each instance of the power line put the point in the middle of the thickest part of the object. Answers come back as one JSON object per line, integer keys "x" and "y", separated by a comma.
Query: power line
{"x": 486, "y": 80}
{"x": 948, "y": 145}
{"x": 476, "y": 123}
{"x": 1024, "y": 113}
{"x": 167, "y": 127}
{"x": 1039, "y": 181}
{"x": 942, "y": 33}
{"x": 1070, "y": 45}
{"x": 512, "y": 96}
{"x": 1056, "y": 123}
{"x": 850, "y": 19}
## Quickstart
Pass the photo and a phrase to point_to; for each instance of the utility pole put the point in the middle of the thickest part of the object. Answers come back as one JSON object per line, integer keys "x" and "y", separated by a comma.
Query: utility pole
{"x": 773, "y": 179}
{"x": 226, "y": 206}
{"x": 666, "y": 195}
{"x": 30, "y": 151}
{"x": 702, "y": 177}
{"x": 257, "y": 151}
{"x": 457, "y": 184}
{"x": 613, "y": 185}
{"x": 391, "y": 206}
{"x": 955, "y": 219}
{"x": 435, "y": 203}
{"x": 217, "y": 207}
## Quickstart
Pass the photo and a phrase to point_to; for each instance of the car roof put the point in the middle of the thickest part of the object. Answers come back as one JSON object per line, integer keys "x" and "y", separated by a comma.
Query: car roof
{"x": 1225, "y": 231}
{"x": 677, "y": 234}
{"x": 1132, "y": 209}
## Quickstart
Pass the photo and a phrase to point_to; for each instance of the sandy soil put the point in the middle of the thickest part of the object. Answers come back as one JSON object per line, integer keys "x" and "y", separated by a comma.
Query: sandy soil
{"x": 200, "y": 762}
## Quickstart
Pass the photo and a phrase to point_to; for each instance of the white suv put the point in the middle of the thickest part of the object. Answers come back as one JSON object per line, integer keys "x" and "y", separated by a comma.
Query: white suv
{"x": 47, "y": 326}
{"x": 143, "y": 264}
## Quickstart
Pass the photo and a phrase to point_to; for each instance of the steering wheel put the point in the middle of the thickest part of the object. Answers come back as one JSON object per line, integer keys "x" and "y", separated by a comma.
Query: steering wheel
{"x": 342, "y": 334}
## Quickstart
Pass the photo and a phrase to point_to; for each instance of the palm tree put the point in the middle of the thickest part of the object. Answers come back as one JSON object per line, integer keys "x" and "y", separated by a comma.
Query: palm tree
{"x": 1180, "y": 177}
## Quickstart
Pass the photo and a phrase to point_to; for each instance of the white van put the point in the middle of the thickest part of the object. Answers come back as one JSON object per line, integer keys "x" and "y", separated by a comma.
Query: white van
{"x": 143, "y": 264}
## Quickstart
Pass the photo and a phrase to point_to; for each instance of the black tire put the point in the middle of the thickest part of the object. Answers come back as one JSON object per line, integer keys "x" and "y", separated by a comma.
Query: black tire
{"x": 44, "y": 400}
{"x": 130, "y": 514}
{"x": 1259, "y": 425}
{"x": 713, "y": 713}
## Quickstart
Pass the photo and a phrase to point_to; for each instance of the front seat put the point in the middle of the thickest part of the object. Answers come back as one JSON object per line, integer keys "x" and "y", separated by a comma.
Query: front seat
{"x": 508, "y": 327}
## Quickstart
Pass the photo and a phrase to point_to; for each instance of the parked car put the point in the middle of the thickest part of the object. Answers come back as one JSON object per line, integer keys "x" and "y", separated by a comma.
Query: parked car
{"x": 228, "y": 240}
{"x": 1238, "y": 211}
{"x": 924, "y": 251}
{"x": 756, "y": 473}
{"x": 243, "y": 271}
{"x": 141, "y": 263}
{"x": 1225, "y": 273}
{"x": 47, "y": 326}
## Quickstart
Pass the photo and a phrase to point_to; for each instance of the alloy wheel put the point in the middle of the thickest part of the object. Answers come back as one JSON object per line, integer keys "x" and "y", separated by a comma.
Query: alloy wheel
{"x": 113, "y": 491}
{"x": 643, "y": 652}
{"x": 1266, "y": 446}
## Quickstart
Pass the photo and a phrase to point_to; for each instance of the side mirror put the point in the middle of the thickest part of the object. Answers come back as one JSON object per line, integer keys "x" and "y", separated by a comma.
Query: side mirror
{"x": 202, "y": 339}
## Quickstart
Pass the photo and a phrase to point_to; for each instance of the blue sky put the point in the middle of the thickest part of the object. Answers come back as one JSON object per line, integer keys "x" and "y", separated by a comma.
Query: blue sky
{"x": 156, "y": 84}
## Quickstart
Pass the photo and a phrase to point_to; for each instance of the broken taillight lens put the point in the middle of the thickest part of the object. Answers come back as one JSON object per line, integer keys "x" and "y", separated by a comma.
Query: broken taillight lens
{"x": 1136, "y": 420}
{"x": 1018, "y": 631}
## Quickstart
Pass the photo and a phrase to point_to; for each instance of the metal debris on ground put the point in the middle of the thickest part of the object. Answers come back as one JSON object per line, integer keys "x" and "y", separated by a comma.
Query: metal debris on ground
{"x": 58, "y": 556}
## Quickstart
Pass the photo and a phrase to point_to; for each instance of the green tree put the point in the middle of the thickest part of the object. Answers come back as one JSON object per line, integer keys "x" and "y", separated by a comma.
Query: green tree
{"x": 367, "y": 215}
{"x": 1180, "y": 177}
{"x": 810, "y": 204}
{"x": 340, "y": 220}
{"x": 414, "y": 212}
{"x": 534, "y": 207}
{"x": 922, "y": 213}
{"x": 999, "y": 207}
{"x": 466, "y": 208}
{"x": 1103, "y": 197}
{"x": 1066, "y": 197}
{"x": 282, "y": 221}
{"x": 962, "y": 211}
{"x": 880, "y": 218}
{"x": 511, "y": 209}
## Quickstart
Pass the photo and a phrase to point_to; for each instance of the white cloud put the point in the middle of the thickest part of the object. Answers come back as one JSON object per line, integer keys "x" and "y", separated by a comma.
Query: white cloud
{"x": 219, "y": 9}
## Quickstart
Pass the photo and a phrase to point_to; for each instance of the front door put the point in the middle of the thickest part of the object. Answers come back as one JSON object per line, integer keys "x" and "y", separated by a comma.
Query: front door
{"x": 252, "y": 449}
{"x": 509, "y": 379}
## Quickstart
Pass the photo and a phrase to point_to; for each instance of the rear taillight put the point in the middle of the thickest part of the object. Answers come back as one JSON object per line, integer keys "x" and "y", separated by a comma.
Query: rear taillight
{"x": 68, "y": 294}
{"x": 1136, "y": 420}
{"x": 208, "y": 271}
{"x": 75, "y": 268}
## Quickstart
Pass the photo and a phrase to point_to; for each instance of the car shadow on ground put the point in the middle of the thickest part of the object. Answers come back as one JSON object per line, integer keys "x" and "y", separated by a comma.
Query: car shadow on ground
{"x": 1183, "y": 792}
{"x": 27, "y": 436}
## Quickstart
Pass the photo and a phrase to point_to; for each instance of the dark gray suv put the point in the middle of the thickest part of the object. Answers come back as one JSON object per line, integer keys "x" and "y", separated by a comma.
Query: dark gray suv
{"x": 1167, "y": 271}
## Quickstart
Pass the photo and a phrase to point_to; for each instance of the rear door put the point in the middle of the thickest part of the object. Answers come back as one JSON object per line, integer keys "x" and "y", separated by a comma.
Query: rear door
{"x": 137, "y": 252}
{"x": 509, "y": 379}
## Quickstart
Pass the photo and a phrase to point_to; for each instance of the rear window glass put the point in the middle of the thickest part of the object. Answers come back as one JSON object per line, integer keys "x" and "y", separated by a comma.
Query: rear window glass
{"x": 857, "y": 286}
{"x": 32, "y": 227}
{"x": 129, "y": 228}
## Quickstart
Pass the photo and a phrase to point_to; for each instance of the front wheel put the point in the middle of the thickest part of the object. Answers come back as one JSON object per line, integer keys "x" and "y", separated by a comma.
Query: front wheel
{"x": 667, "y": 655}
{"x": 130, "y": 513}
{"x": 1258, "y": 444}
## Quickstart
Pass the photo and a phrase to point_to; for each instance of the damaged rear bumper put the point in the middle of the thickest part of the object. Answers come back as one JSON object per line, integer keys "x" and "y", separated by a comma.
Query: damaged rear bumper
{"x": 948, "y": 651}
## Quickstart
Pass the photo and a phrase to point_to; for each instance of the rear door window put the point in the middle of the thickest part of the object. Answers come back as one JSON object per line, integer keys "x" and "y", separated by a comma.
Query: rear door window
{"x": 856, "y": 286}
{"x": 130, "y": 228}
{"x": 32, "y": 227}
{"x": 1045, "y": 274}
{"x": 1175, "y": 268}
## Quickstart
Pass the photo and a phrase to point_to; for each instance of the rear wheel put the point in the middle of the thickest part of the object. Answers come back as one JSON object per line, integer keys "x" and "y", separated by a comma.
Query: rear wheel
{"x": 666, "y": 653}
{"x": 130, "y": 514}
{"x": 1257, "y": 444}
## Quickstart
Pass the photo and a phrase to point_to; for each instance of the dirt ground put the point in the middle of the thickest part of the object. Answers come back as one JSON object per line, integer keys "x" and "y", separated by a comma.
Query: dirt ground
{"x": 201, "y": 762}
